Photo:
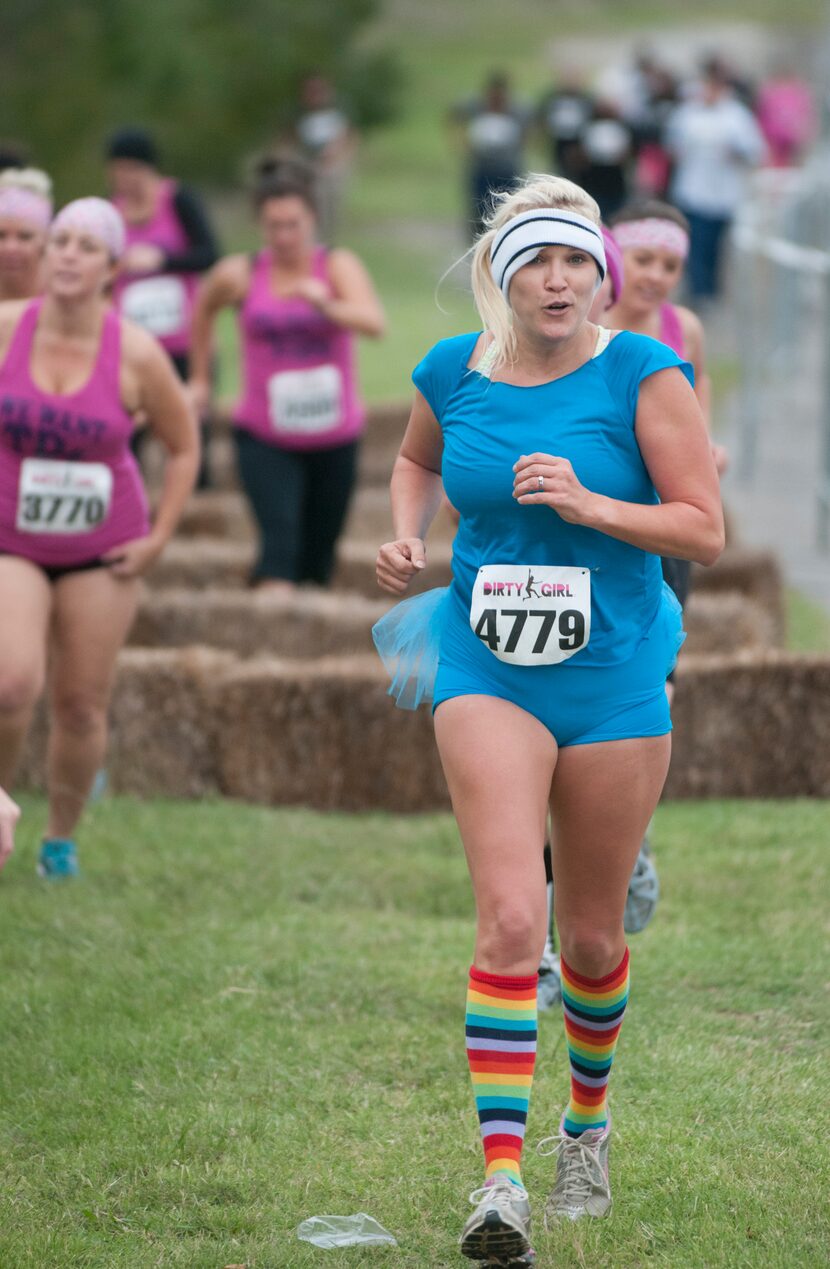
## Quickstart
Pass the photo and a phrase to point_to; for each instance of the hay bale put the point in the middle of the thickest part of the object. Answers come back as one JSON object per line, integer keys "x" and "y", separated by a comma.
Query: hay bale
{"x": 201, "y": 562}
{"x": 755, "y": 724}
{"x": 214, "y": 513}
{"x": 307, "y": 624}
{"x": 370, "y": 518}
{"x": 355, "y": 569}
{"x": 162, "y": 731}
{"x": 386, "y": 422}
{"x": 755, "y": 574}
{"x": 726, "y": 621}
{"x": 324, "y": 734}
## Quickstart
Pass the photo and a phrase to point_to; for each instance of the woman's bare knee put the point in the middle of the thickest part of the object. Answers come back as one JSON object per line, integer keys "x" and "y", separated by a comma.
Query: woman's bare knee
{"x": 81, "y": 715}
{"x": 591, "y": 948}
{"x": 19, "y": 690}
{"x": 511, "y": 934}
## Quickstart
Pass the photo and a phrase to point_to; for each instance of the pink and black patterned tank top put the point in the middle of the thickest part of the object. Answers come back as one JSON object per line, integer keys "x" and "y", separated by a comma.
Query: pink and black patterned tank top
{"x": 70, "y": 487}
{"x": 299, "y": 381}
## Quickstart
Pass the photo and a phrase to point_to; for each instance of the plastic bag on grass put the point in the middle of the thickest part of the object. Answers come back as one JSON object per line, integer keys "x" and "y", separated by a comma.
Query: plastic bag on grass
{"x": 344, "y": 1231}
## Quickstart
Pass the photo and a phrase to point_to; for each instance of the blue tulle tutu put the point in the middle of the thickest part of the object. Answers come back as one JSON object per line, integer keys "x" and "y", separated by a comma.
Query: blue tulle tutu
{"x": 408, "y": 638}
{"x": 672, "y": 615}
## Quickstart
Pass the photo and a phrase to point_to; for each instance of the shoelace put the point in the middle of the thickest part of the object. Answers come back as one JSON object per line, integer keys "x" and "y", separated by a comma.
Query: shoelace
{"x": 582, "y": 1171}
{"x": 498, "y": 1189}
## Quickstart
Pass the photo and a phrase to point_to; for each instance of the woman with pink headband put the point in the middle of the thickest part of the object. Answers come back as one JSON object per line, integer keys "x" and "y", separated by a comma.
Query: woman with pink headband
{"x": 654, "y": 240}
{"x": 75, "y": 535}
{"x": 25, "y": 213}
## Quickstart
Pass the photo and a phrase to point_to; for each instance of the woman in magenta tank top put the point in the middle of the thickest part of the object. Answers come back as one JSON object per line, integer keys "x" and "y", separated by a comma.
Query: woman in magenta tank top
{"x": 25, "y": 214}
{"x": 75, "y": 534}
{"x": 654, "y": 240}
{"x": 299, "y": 416}
{"x": 169, "y": 244}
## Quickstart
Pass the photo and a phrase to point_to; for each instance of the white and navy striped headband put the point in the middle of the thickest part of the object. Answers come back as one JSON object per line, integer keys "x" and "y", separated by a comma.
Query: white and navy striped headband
{"x": 518, "y": 241}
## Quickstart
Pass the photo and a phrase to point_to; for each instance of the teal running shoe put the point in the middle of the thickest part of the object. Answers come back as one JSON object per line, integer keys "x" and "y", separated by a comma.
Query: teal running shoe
{"x": 643, "y": 892}
{"x": 58, "y": 859}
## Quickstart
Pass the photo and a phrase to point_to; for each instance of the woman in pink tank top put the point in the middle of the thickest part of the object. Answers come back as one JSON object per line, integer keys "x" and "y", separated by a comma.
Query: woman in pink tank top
{"x": 654, "y": 240}
{"x": 299, "y": 417}
{"x": 169, "y": 243}
{"x": 74, "y": 529}
{"x": 25, "y": 213}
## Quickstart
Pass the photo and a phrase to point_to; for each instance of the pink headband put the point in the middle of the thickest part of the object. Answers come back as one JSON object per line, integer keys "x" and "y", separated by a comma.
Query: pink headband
{"x": 614, "y": 263}
{"x": 653, "y": 232}
{"x": 25, "y": 204}
{"x": 97, "y": 217}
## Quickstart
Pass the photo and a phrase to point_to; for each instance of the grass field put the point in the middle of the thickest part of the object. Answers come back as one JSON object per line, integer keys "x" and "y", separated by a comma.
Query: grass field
{"x": 242, "y": 1017}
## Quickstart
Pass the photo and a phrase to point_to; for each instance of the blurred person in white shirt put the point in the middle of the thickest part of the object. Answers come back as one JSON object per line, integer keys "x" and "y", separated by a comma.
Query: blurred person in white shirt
{"x": 715, "y": 141}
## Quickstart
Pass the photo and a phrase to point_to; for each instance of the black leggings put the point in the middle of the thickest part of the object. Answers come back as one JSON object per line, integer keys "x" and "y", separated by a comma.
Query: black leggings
{"x": 300, "y": 501}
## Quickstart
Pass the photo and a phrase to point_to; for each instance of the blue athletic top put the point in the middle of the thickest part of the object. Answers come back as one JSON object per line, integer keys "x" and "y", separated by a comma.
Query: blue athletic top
{"x": 587, "y": 417}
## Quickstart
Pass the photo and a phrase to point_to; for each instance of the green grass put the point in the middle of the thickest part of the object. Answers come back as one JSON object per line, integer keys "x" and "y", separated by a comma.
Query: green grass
{"x": 242, "y": 1017}
{"x": 808, "y": 625}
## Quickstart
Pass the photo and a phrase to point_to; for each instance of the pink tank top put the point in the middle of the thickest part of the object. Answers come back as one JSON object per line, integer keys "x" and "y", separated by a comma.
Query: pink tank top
{"x": 671, "y": 330}
{"x": 299, "y": 383}
{"x": 70, "y": 487}
{"x": 160, "y": 302}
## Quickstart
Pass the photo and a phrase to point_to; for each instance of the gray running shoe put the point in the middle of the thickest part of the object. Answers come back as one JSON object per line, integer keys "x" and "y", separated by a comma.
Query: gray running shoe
{"x": 498, "y": 1231}
{"x": 549, "y": 991}
{"x": 643, "y": 892}
{"x": 582, "y": 1187}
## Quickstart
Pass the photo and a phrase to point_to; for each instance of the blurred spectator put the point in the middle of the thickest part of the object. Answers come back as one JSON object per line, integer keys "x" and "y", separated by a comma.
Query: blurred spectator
{"x": 563, "y": 113}
{"x": 324, "y": 136}
{"x": 629, "y": 87}
{"x": 715, "y": 140}
{"x": 493, "y": 128}
{"x": 787, "y": 115}
{"x": 653, "y": 168}
{"x": 606, "y": 148}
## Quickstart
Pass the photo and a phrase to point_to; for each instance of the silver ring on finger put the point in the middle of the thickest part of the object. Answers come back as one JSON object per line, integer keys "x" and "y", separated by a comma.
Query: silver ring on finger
{"x": 540, "y": 482}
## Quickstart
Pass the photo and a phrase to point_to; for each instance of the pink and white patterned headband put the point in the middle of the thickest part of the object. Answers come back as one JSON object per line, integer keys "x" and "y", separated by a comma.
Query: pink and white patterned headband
{"x": 26, "y": 205}
{"x": 653, "y": 232}
{"x": 96, "y": 217}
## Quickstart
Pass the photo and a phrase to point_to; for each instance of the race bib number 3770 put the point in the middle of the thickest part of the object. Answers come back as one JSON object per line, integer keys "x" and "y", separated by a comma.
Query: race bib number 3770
{"x": 529, "y": 614}
{"x": 62, "y": 497}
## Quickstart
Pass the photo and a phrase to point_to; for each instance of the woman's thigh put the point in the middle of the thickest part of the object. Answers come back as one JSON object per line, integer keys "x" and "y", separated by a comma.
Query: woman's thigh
{"x": 92, "y": 615}
{"x": 25, "y": 602}
{"x": 602, "y": 799}
{"x": 274, "y": 481}
{"x": 330, "y": 480}
{"x": 499, "y": 761}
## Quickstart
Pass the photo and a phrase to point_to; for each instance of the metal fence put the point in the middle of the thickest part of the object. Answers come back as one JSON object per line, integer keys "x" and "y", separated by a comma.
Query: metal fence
{"x": 781, "y": 242}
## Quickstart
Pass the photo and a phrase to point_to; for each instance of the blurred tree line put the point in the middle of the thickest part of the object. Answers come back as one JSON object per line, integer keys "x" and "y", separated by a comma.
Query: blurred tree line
{"x": 215, "y": 81}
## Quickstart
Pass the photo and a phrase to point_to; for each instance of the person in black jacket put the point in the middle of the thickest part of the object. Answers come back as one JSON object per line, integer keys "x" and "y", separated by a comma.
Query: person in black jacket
{"x": 170, "y": 243}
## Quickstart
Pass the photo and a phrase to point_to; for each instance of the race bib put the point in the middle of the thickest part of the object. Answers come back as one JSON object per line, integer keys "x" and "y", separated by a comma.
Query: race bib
{"x": 60, "y": 497}
{"x": 157, "y": 304}
{"x": 304, "y": 402}
{"x": 532, "y": 614}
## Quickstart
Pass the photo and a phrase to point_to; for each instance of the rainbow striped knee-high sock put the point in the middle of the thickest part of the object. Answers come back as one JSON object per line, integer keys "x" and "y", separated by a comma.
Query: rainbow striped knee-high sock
{"x": 594, "y": 1009}
{"x": 501, "y": 1048}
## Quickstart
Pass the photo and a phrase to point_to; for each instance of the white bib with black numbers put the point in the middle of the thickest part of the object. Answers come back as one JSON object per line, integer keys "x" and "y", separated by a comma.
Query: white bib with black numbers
{"x": 60, "y": 497}
{"x": 529, "y": 614}
{"x": 304, "y": 402}
{"x": 157, "y": 304}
